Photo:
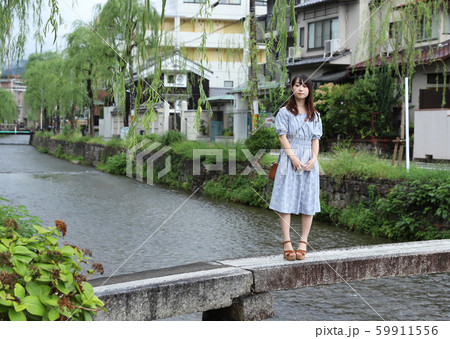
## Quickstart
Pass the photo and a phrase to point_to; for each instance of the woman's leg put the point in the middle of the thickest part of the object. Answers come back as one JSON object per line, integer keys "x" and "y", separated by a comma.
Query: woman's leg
{"x": 306, "y": 227}
{"x": 285, "y": 222}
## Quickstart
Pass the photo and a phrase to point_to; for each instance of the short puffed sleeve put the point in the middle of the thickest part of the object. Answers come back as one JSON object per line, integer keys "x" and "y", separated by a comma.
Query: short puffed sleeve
{"x": 317, "y": 127}
{"x": 281, "y": 122}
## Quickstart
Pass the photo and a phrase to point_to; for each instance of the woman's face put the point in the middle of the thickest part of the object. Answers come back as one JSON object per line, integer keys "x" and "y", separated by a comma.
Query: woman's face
{"x": 300, "y": 90}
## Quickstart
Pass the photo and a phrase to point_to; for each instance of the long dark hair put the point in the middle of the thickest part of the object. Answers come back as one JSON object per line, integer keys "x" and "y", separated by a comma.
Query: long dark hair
{"x": 309, "y": 101}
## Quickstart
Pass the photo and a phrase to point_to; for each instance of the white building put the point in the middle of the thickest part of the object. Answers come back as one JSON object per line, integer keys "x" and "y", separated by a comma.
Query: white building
{"x": 226, "y": 56}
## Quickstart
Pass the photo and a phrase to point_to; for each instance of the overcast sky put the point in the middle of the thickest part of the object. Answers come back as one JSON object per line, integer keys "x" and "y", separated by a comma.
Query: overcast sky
{"x": 71, "y": 11}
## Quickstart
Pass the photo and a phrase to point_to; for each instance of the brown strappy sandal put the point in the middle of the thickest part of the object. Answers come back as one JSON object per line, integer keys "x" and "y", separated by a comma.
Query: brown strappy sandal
{"x": 301, "y": 254}
{"x": 288, "y": 254}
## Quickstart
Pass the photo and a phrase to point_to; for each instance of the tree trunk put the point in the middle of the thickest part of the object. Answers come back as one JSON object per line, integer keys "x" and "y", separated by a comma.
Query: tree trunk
{"x": 58, "y": 122}
{"x": 253, "y": 77}
{"x": 91, "y": 104}
{"x": 72, "y": 118}
{"x": 45, "y": 120}
{"x": 127, "y": 107}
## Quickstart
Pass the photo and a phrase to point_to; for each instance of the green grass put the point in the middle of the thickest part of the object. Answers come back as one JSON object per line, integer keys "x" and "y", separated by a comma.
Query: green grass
{"x": 41, "y": 134}
{"x": 267, "y": 160}
{"x": 348, "y": 163}
{"x": 186, "y": 149}
{"x": 115, "y": 142}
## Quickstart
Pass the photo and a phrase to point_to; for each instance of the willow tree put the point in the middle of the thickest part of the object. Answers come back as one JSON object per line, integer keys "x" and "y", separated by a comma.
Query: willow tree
{"x": 281, "y": 24}
{"x": 123, "y": 25}
{"x": 89, "y": 60}
{"x": 400, "y": 34}
{"x": 8, "y": 107}
{"x": 50, "y": 87}
{"x": 15, "y": 21}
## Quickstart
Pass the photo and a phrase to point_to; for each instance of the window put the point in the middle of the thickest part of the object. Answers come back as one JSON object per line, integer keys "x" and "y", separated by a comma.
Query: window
{"x": 437, "y": 78}
{"x": 395, "y": 32}
{"x": 447, "y": 23}
{"x": 424, "y": 35}
{"x": 228, "y": 84}
{"x": 320, "y": 31}
{"x": 302, "y": 37}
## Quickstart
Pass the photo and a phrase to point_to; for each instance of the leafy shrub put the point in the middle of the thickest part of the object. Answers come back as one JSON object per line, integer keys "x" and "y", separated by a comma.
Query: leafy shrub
{"x": 46, "y": 135}
{"x": 346, "y": 110}
{"x": 67, "y": 131}
{"x": 115, "y": 142}
{"x": 117, "y": 164}
{"x": 170, "y": 137}
{"x": 40, "y": 280}
{"x": 264, "y": 138}
{"x": 277, "y": 98}
{"x": 416, "y": 210}
{"x": 20, "y": 214}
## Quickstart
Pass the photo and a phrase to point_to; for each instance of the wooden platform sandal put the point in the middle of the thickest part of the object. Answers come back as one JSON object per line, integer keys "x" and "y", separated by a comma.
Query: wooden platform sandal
{"x": 288, "y": 254}
{"x": 301, "y": 254}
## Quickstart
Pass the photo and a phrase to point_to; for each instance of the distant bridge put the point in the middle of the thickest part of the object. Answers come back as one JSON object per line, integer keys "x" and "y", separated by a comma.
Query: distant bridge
{"x": 239, "y": 289}
{"x": 14, "y": 129}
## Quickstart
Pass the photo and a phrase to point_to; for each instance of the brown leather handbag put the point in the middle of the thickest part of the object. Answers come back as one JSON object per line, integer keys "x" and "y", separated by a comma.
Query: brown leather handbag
{"x": 273, "y": 170}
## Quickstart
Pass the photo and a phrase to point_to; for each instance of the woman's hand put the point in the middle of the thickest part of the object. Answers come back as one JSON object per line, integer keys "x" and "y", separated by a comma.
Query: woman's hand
{"x": 310, "y": 164}
{"x": 296, "y": 163}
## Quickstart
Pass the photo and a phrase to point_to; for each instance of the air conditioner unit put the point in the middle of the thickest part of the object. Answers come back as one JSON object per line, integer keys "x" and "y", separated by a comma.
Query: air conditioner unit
{"x": 331, "y": 46}
{"x": 291, "y": 52}
{"x": 386, "y": 49}
{"x": 181, "y": 80}
{"x": 175, "y": 80}
{"x": 294, "y": 52}
{"x": 178, "y": 106}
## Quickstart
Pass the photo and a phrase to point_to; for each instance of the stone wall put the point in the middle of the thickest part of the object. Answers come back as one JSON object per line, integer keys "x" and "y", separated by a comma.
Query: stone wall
{"x": 339, "y": 193}
{"x": 93, "y": 154}
{"x": 342, "y": 193}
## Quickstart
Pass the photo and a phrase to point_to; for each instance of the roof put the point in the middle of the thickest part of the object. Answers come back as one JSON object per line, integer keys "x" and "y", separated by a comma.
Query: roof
{"x": 243, "y": 86}
{"x": 317, "y": 59}
{"x": 173, "y": 62}
{"x": 441, "y": 51}
{"x": 332, "y": 76}
{"x": 308, "y": 3}
{"x": 218, "y": 91}
{"x": 226, "y": 97}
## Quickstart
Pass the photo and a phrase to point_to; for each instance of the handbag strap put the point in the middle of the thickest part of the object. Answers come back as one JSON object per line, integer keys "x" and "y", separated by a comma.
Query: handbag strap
{"x": 298, "y": 131}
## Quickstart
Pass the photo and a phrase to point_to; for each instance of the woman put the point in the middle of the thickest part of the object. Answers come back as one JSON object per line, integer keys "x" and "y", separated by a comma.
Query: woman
{"x": 296, "y": 186}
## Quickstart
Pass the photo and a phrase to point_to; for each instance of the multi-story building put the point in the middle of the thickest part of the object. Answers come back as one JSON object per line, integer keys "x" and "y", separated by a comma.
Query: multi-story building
{"x": 209, "y": 40}
{"x": 328, "y": 36}
{"x": 225, "y": 53}
{"x": 10, "y": 80}
{"x": 330, "y": 48}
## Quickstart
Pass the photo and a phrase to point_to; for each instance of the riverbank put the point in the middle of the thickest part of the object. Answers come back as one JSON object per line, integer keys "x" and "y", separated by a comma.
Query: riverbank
{"x": 355, "y": 191}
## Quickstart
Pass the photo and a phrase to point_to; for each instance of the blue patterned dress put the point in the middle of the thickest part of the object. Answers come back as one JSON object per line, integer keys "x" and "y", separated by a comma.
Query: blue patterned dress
{"x": 296, "y": 192}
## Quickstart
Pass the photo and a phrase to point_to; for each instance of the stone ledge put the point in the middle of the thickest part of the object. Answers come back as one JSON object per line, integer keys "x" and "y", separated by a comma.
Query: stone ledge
{"x": 218, "y": 285}
{"x": 176, "y": 294}
{"x": 272, "y": 273}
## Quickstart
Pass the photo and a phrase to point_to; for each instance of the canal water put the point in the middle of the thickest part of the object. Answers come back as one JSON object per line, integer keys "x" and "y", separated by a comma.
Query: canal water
{"x": 130, "y": 226}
